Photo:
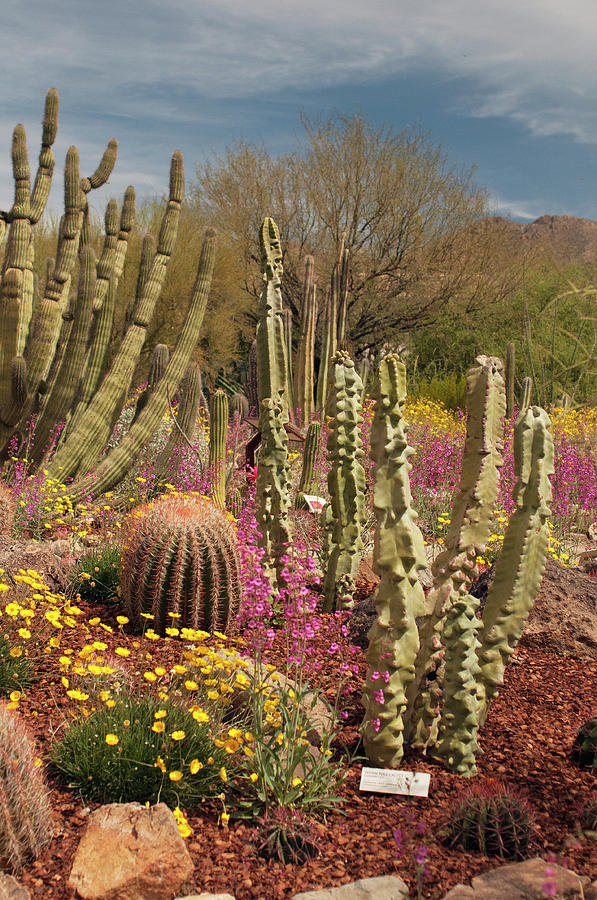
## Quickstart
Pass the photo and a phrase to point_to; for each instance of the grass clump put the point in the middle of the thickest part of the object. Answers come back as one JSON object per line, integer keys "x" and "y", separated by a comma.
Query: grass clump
{"x": 143, "y": 750}
{"x": 97, "y": 576}
{"x": 15, "y": 671}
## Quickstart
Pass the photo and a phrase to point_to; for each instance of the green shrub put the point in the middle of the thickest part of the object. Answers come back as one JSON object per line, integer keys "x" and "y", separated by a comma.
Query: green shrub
{"x": 97, "y": 576}
{"x": 449, "y": 390}
{"x": 15, "y": 672}
{"x": 123, "y": 754}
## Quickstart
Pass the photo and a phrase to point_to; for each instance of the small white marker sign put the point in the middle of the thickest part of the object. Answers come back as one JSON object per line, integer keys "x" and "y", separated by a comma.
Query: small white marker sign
{"x": 392, "y": 781}
{"x": 314, "y": 503}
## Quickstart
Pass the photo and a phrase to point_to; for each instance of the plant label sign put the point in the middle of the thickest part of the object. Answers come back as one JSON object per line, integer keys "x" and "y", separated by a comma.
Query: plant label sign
{"x": 392, "y": 781}
{"x": 314, "y": 503}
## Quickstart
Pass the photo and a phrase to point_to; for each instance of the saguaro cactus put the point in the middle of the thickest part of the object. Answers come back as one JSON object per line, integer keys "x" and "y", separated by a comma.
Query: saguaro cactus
{"x": 398, "y": 557}
{"x": 346, "y": 482}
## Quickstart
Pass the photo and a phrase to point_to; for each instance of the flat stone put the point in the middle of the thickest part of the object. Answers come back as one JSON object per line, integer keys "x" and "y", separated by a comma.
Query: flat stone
{"x": 131, "y": 852}
{"x": 385, "y": 887}
{"x": 11, "y": 889}
{"x": 207, "y": 897}
{"x": 521, "y": 881}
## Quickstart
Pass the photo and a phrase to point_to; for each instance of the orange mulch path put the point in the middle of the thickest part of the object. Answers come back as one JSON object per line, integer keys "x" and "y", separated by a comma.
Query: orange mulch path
{"x": 526, "y": 741}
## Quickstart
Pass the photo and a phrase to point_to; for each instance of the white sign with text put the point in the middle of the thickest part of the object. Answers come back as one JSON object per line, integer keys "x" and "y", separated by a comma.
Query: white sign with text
{"x": 392, "y": 781}
{"x": 314, "y": 503}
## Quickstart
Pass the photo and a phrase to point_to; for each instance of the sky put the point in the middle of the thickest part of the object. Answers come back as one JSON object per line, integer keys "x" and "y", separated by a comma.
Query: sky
{"x": 506, "y": 86}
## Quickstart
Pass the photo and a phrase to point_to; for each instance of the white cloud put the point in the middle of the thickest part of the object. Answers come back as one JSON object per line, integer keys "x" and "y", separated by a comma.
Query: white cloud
{"x": 124, "y": 62}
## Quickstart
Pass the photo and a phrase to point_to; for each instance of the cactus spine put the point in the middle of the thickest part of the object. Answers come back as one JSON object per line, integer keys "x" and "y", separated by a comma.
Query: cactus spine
{"x": 180, "y": 557}
{"x": 218, "y": 432}
{"x": 25, "y": 811}
{"x": 455, "y": 567}
{"x": 520, "y": 567}
{"x": 346, "y": 483}
{"x": 398, "y": 557}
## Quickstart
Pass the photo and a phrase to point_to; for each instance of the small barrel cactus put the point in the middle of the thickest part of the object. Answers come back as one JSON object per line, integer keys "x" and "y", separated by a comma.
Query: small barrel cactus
{"x": 180, "y": 558}
{"x": 584, "y": 749}
{"x": 25, "y": 815}
{"x": 493, "y": 819}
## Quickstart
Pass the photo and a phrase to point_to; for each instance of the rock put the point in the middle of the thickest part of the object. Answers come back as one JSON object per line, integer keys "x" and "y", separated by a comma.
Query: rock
{"x": 49, "y": 558}
{"x": 591, "y": 891}
{"x": 385, "y": 887}
{"x": 521, "y": 881}
{"x": 564, "y": 617}
{"x": 207, "y": 897}
{"x": 10, "y": 889}
{"x": 363, "y": 616}
{"x": 130, "y": 852}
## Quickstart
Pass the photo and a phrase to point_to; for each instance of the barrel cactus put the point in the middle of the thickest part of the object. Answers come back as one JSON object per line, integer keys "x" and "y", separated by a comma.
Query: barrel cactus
{"x": 180, "y": 560}
{"x": 494, "y": 819}
{"x": 25, "y": 816}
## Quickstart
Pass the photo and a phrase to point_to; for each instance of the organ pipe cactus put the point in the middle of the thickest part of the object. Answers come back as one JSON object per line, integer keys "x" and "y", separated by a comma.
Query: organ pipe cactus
{"x": 526, "y": 393}
{"x": 218, "y": 432}
{"x": 455, "y": 567}
{"x": 238, "y": 407}
{"x": 113, "y": 467}
{"x": 342, "y": 282}
{"x": 327, "y": 341}
{"x": 180, "y": 557}
{"x": 157, "y": 364}
{"x": 311, "y": 449}
{"x": 398, "y": 557}
{"x": 86, "y": 440}
{"x": 183, "y": 427}
{"x": 346, "y": 481}
{"x": 521, "y": 563}
{"x": 510, "y": 377}
{"x": 287, "y": 318}
{"x": 253, "y": 381}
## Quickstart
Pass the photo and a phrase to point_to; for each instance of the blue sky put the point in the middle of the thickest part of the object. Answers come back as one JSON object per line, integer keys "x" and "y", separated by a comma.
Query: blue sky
{"x": 508, "y": 86}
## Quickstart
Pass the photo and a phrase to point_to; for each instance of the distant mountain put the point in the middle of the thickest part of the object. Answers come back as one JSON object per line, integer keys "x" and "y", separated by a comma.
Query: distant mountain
{"x": 559, "y": 239}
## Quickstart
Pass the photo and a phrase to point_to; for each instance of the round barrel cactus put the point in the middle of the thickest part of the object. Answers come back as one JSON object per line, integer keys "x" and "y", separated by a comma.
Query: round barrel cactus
{"x": 492, "y": 818}
{"x": 180, "y": 558}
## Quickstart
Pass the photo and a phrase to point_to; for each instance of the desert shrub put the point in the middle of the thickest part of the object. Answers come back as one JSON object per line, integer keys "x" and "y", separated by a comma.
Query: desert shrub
{"x": 97, "y": 575}
{"x": 493, "y": 819}
{"x": 144, "y": 750}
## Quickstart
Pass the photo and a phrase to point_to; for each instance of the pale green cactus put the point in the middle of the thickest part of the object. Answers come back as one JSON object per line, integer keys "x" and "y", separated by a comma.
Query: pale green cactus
{"x": 521, "y": 563}
{"x": 218, "y": 433}
{"x": 272, "y": 364}
{"x": 399, "y": 556}
{"x": 346, "y": 480}
{"x": 273, "y": 488}
{"x": 310, "y": 451}
{"x": 455, "y": 567}
{"x": 510, "y": 377}
{"x": 303, "y": 394}
{"x": 327, "y": 341}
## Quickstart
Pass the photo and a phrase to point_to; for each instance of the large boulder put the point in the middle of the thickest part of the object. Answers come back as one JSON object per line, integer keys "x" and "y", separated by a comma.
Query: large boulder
{"x": 522, "y": 881}
{"x": 131, "y": 852}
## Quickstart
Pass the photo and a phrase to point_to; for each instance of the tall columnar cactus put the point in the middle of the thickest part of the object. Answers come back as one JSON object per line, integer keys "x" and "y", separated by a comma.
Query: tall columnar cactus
{"x": 218, "y": 433}
{"x": 306, "y": 347}
{"x": 287, "y": 318}
{"x": 346, "y": 481}
{"x": 85, "y": 442}
{"x": 521, "y": 563}
{"x": 25, "y": 810}
{"x": 180, "y": 557}
{"x": 327, "y": 341}
{"x": 455, "y": 567}
{"x": 272, "y": 365}
{"x": 398, "y": 557}
{"x": 113, "y": 467}
{"x": 510, "y": 378}
{"x": 310, "y": 451}
{"x": 273, "y": 488}
{"x": 526, "y": 393}
{"x": 238, "y": 407}
{"x": 183, "y": 428}
{"x": 253, "y": 381}
{"x": 160, "y": 357}
{"x": 343, "y": 283}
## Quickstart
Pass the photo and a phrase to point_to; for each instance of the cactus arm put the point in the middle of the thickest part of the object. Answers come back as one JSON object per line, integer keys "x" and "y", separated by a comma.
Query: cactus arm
{"x": 521, "y": 563}
{"x": 218, "y": 433}
{"x": 127, "y": 221}
{"x": 343, "y": 277}
{"x": 43, "y": 179}
{"x": 287, "y": 317}
{"x": 159, "y": 360}
{"x": 271, "y": 347}
{"x": 186, "y": 418}
{"x": 324, "y": 359}
{"x": 99, "y": 178}
{"x": 346, "y": 482}
{"x": 310, "y": 451}
{"x": 399, "y": 555}
{"x": 526, "y": 393}
{"x": 253, "y": 381}
{"x": 114, "y": 466}
{"x": 304, "y": 359}
{"x": 87, "y": 439}
{"x": 455, "y": 568}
